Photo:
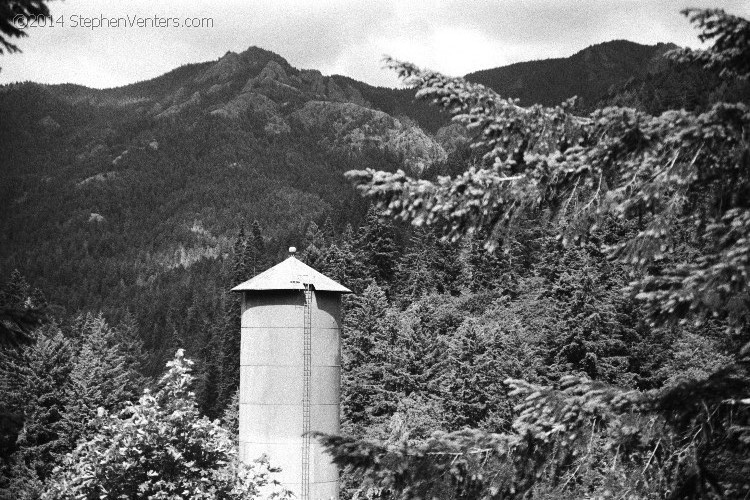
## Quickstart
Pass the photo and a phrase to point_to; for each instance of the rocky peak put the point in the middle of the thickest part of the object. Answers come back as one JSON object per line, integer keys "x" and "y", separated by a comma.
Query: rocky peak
{"x": 273, "y": 71}
{"x": 222, "y": 70}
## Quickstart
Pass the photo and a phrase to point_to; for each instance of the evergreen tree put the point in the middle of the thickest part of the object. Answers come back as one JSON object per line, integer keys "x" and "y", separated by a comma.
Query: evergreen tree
{"x": 256, "y": 260}
{"x": 220, "y": 380}
{"x": 484, "y": 268}
{"x": 329, "y": 233}
{"x": 35, "y": 382}
{"x": 314, "y": 252}
{"x": 21, "y": 310}
{"x": 239, "y": 258}
{"x": 333, "y": 264}
{"x": 368, "y": 341}
{"x": 130, "y": 343}
{"x": 231, "y": 418}
{"x": 102, "y": 377}
{"x": 376, "y": 241}
{"x": 229, "y": 333}
{"x": 354, "y": 273}
{"x": 428, "y": 266}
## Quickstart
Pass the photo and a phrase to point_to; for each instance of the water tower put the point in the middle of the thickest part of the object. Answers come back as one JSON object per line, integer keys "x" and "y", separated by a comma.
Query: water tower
{"x": 290, "y": 373}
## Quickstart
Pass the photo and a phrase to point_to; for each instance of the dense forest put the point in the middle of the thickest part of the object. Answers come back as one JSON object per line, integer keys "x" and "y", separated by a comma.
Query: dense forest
{"x": 550, "y": 301}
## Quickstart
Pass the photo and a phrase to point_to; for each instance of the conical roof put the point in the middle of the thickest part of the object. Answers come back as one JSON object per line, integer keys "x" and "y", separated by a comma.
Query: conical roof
{"x": 291, "y": 274}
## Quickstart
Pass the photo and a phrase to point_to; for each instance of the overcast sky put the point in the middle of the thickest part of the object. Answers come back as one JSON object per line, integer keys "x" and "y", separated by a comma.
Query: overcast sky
{"x": 344, "y": 37}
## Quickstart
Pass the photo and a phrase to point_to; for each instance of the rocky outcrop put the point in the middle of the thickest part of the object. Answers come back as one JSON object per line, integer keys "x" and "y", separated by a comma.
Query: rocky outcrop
{"x": 224, "y": 69}
{"x": 350, "y": 126}
{"x": 245, "y": 102}
{"x": 193, "y": 102}
{"x": 258, "y": 104}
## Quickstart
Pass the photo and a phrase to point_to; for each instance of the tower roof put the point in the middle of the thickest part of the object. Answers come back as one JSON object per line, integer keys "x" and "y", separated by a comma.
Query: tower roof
{"x": 291, "y": 274}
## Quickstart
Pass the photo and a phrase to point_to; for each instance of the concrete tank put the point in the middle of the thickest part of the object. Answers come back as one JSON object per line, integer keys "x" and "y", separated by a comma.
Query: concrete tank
{"x": 290, "y": 374}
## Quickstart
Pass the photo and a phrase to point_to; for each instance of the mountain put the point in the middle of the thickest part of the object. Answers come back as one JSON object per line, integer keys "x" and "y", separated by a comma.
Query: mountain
{"x": 589, "y": 74}
{"x": 128, "y": 200}
{"x": 618, "y": 73}
{"x": 207, "y": 145}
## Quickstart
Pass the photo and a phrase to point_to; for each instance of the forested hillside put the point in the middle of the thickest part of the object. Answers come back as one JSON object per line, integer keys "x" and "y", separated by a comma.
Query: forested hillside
{"x": 619, "y": 73}
{"x": 126, "y": 199}
{"x": 503, "y": 340}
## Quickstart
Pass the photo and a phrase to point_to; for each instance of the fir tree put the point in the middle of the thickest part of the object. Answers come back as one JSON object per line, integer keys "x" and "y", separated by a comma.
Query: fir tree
{"x": 256, "y": 259}
{"x": 367, "y": 347}
{"x": 329, "y": 233}
{"x": 239, "y": 259}
{"x": 35, "y": 382}
{"x": 102, "y": 377}
{"x": 314, "y": 252}
{"x": 354, "y": 274}
{"x": 248, "y": 260}
{"x": 21, "y": 310}
{"x": 428, "y": 266}
{"x": 231, "y": 418}
{"x": 376, "y": 241}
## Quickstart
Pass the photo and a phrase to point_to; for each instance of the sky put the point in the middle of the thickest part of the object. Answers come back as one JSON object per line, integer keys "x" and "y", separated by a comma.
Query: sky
{"x": 336, "y": 37}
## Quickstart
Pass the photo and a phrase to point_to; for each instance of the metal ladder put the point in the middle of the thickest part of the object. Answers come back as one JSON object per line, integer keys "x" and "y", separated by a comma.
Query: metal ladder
{"x": 306, "y": 375}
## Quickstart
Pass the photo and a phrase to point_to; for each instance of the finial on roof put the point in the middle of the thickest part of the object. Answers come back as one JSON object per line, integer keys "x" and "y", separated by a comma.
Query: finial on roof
{"x": 292, "y": 250}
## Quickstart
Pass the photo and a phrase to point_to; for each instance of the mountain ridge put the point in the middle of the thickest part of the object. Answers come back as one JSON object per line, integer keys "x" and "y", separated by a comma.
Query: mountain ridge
{"x": 551, "y": 81}
{"x": 116, "y": 198}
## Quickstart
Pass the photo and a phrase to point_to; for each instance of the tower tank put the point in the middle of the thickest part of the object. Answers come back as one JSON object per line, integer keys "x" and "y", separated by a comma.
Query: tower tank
{"x": 290, "y": 374}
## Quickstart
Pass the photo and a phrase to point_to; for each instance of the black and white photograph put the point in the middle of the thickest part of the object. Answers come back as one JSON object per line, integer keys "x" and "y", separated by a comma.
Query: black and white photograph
{"x": 375, "y": 250}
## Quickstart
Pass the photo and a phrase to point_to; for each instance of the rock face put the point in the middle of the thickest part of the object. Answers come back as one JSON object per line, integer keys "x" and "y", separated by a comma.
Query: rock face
{"x": 224, "y": 69}
{"x": 260, "y": 89}
{"x": 247, "y": 101}
{"x": 351, "y": 126}
{"x": 259, "y": 105}
{"x": 192, "y": 103}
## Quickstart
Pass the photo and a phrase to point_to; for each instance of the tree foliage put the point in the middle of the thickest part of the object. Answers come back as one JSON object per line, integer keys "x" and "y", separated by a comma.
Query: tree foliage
{"x": 161, "y": 447}
{"x": 682, "y": 175}
{"x": 10, "y": 13}
{"x": 677, "y": 185}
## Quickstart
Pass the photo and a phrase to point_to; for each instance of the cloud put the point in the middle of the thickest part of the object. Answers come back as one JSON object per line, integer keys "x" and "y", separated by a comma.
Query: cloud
{"x": 345, "y": 37}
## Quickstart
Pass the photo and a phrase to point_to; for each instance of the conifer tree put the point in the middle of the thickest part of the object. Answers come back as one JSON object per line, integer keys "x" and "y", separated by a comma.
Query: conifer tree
{"x": 354, "y": 274}
{"x": 35, "y": 382}
{"x": 256, "y": 260}
{"x": 428, "y": 266}
{"x": 333, "y": 264}
{"x": 239, "y": 258}
{"x": 376, "y": 241}
{"x": 248, "y": 259}
{"x": 228, "y": 331}
{"x": 314, "y": 252}
{"x": 128, "y": 338}
{"x": 231, "y": 418}
{"x": 366, "y": 360}
{"x": 21, "y": 310}
{"x": 329, "y": 233}
{"x": 102, "y": 377}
